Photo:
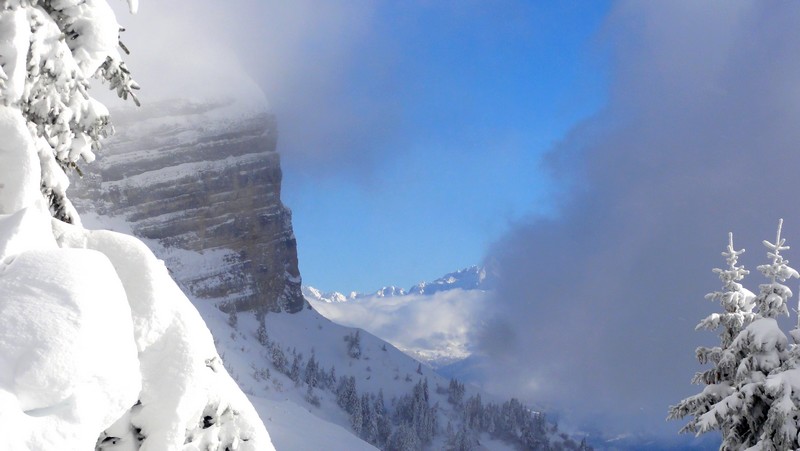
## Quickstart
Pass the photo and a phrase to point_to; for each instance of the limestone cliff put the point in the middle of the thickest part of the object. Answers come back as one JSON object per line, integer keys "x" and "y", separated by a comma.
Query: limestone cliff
{"x": 203, "y": 180}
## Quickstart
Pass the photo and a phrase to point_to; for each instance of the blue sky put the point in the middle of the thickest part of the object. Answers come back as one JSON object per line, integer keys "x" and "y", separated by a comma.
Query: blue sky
{"x": 411, "y": 133}
{"x": 475, "y": 95}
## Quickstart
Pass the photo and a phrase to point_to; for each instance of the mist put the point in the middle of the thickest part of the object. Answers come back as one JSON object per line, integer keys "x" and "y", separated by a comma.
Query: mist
{"x": 296, "y": 57}
{"x": 596, "y": 312}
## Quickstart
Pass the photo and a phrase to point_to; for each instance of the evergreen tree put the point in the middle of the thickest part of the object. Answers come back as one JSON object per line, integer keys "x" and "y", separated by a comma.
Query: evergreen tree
{"x": 278, "y": 358}
{"x": 403, "y": 438}
{"x": 310, "y": 373}
{"x": 312, "y": 397}
{"x": 356, "y": 415}
{"x": 369, "y": 420}
{"x": 66, "y": 43}
{"x": 415, "y": 411}
{"x": 346, "y": 394}
{"x": 737, "y": 304}
{"x": 383, "y": 422}
{"x": 757, "y": 409}
{"x": 332, "y": 377}
{"x": 233, "y": 317}
{"x": 455, "y": 392}
{"x": 294, "y": 371}
{"x": 779, "y": 393}
{"x": 353, "y": 344}
{"x": 473, "y": 412}
{"x": 773, "y": 296}
{"x": 261, "y": 335}
{"x": 462, "y": 440}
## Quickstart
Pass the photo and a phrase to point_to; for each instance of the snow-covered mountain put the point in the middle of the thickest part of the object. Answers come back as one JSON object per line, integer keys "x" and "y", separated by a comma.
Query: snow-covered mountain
{"x": 434, "y": 322}
{"x": 311, "y": 385}
{"x": 470, "y": 278}
{"x": 320, "y": 385}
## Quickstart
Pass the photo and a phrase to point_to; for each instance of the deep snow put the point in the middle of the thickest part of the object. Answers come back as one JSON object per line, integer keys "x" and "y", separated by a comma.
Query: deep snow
{"x": 92, "y": 330}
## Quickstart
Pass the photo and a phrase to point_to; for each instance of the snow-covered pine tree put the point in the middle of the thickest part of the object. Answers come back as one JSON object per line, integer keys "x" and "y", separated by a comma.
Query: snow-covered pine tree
{"x": 294, "y": 370}
{"x": 353, "y": 341}
{"x": 347, "y": 394}
{"x": 311, "y": 371}
{"x": 369, "y": 419}
{"x": 772, "y": 300}
{"x": 759, "y": 412}
{"x": 53, "y": 50}
{"x": 455, "y": 392}
{"x": 278, "y": 357}
{"x": 737, "y": 304}
{"x": 384, "y": 424}
{"x": 781, "y": 390}
{"x": 403, "y": 439}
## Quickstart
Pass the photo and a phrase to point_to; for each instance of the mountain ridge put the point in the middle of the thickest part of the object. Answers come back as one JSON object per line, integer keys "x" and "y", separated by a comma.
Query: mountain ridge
{"x": 473, "y": 277}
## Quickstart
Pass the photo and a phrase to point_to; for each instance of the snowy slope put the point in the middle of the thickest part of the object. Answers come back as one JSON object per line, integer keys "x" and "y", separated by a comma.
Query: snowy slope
{"x": 437, "y": 329}
{"x": 282, "y": 403}
{"x": 294, "y": 422}
{"x": 99, "y": 346}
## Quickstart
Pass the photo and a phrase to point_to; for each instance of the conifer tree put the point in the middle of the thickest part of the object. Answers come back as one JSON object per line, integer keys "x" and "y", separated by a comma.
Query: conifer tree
{"x": 779, "y": 429}
{"x": 67, "y": 42}
{"x": 347, "y": 394}
{"x": 403, "y": 439}
{"x": 758, "y": 409}
{"x": 455, "y": 392}
{"x": 294, "y": 371}
{"x": 331, "y": 380}
{"x": 278, "y": 358}
{"x": 369, "y": 418}
{"x": 353, "y": 344}
{"x": 356, "y": 415}
{"x": 737, "y": 304}
{"x": 384, "y": 424}
{"x": 311, "y": 371}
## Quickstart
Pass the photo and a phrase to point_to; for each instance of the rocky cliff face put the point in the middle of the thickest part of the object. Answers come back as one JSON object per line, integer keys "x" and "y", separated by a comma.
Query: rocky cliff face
{"x": 203, "y": 180}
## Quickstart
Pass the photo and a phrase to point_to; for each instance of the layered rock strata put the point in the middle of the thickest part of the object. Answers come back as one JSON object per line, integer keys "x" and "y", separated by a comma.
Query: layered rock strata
{"x": 203, "y": 180}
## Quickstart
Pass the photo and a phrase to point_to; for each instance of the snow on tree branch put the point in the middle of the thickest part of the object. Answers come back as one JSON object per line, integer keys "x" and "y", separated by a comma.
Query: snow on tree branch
{"x": 772, "y": 298}
{"x": 49, "y": 50}
{"x": 753, "y": 389}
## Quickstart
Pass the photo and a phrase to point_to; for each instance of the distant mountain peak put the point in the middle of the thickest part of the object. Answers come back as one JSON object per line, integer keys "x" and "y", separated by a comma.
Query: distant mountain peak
{"x": 390, "y": 291}
{"x": 471, "y": 278}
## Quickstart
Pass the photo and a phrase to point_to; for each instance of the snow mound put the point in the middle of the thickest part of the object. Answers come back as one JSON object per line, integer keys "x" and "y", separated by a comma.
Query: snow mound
{"x": 100, "y": 349}
{"x": 68, "y": 362}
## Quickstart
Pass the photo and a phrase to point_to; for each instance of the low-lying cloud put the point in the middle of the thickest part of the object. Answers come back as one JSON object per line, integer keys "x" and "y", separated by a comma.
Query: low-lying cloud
{"x": 437, "y": 328}
{"x": 700, "y": 137}
{"x": 299, "y": 53}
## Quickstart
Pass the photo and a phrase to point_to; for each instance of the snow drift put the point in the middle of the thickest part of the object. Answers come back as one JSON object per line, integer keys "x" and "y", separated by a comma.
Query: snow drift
{"x": 93, "y": 330}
